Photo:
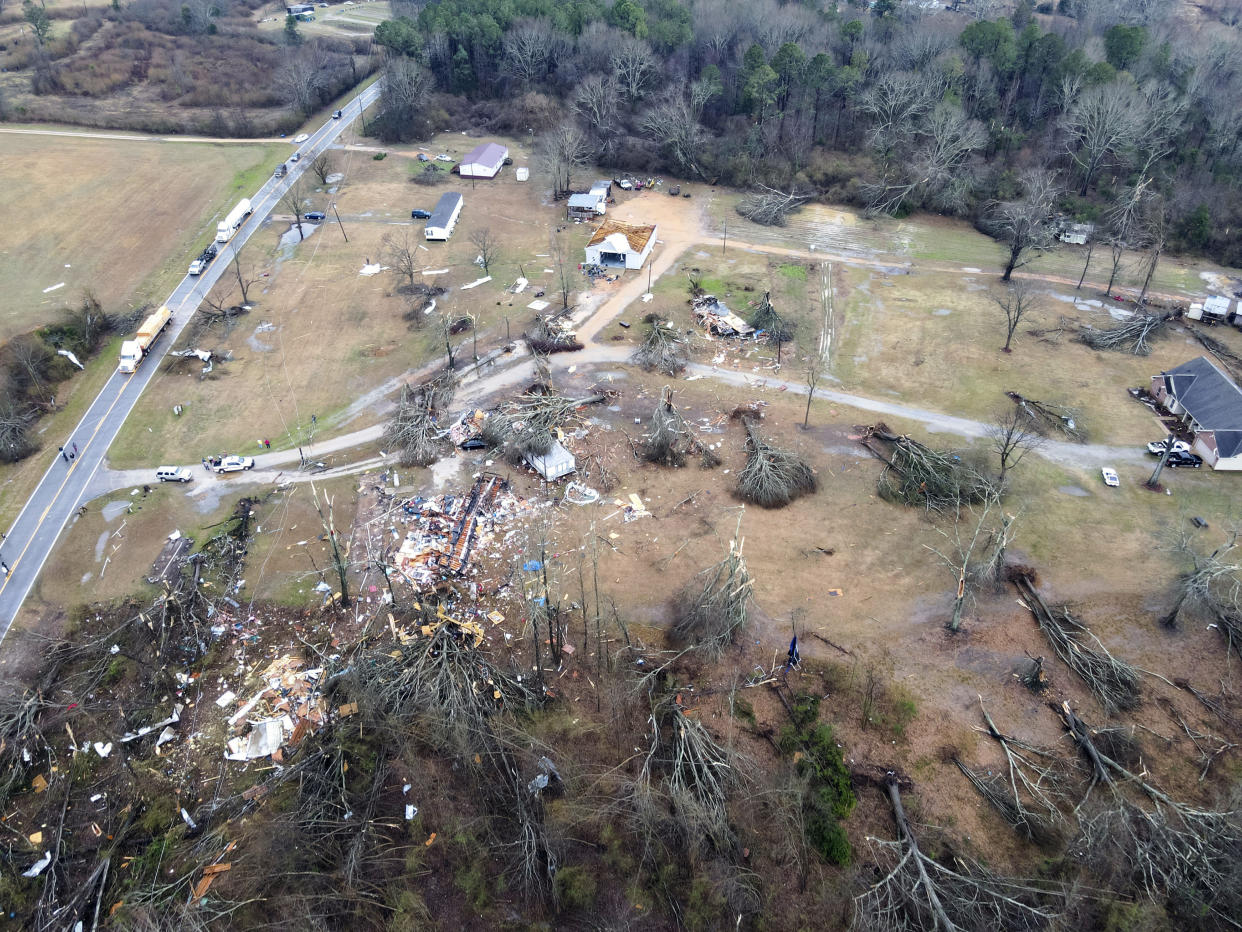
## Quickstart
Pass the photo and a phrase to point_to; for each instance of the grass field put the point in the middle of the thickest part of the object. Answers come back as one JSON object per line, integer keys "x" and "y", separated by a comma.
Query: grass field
{"x": 121, "y": 218}
{"x": 321, "y": 335}
{"x": 926, "y": 239}
{"x": 934, "y": 339}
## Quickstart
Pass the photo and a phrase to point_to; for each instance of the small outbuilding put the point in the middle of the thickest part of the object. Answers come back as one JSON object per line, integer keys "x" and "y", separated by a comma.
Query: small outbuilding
{"x": 620, "y": 245}
{"x": 444, "y": 217}
{"x": 555, "y": 464}
{"x": 483, "y": 161}
{"x": 294, "y": 9}
{"x": 585, "y": 206}
{"x": 602, "y": 187}
{"x": 1209, "y": 403}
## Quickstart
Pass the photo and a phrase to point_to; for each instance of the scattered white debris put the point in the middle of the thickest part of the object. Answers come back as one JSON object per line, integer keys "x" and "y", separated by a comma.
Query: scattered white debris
{"x": 40, "y": 865}
{"x": 114, "y": 649}
{"x": 477, "y": 282}
{"x": 435, "y": 271}
{"x": 373, "y": 269}
{"x": 647, "y": 297}
{"x": 226, "y": 698}
{"x": 538, "y": 305}
{"x": 103, "y": 750}
{"x": 410, "y": 811}
{"x": 54, "y": 287}
{"x": 68, "y": 355}
{"x": 188, "y": 821}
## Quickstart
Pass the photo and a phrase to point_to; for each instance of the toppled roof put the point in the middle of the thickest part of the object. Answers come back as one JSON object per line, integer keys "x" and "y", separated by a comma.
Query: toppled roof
{"x": 489, "y": 153}
{"x": 1212, "y": 399}
{"x": 555, "y": 463}
{"x": 636, "y": 236}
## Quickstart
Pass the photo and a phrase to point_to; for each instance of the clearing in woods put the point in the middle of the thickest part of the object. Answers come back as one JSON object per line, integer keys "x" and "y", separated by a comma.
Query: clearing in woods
{"x": 121, "y": 218}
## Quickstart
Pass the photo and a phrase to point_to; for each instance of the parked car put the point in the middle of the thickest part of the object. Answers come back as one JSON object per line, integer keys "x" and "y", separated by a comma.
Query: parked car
{"x": 336, "y": 114}
{"x": 420, "y": 214}
{"x": 314, "y": 216}
{"x": 625, "y": 184}
{"x": 301, "y": 137}
{"x": 1110, "y": 477}
{"x": 444, "y": 158}
{"x": 1175, "y": 460}
{"x": 674, "y": 190}
{"x": 230, "y": 463}
{"x": 173, "y": 474}
{"x": 424, "y": 157}
{"x": 1156, "y": 447}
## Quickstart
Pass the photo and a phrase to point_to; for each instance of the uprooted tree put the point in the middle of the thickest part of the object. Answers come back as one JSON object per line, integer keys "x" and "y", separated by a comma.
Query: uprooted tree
{"x": 772, "y": 477}
{"x": 770, "y": 326}
{"x": 1180, "y": 855}
{"x": 1047, "y": 418}
{"x": 1210, "y": 588}
{"x": 414, "y": 431}
{"x": 663, "y": 348}
{"x": 1114, "y": 682}
{"x": 770, "y": 207}
{"x": 715, "y": 605}
{"x": 670, "y": 438}
{"x": 915, "y": 474}
{"x": 1133, "y": 335}
{"x": 918, "y": 893}
{"x": 526, "y": 425}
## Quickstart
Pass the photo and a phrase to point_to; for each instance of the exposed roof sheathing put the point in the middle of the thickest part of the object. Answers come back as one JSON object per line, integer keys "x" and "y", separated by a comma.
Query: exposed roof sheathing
{"x": 637, "y": 236}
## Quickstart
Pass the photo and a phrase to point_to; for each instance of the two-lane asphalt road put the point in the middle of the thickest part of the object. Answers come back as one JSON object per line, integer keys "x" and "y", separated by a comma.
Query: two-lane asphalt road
{"x": 59, "y": 493}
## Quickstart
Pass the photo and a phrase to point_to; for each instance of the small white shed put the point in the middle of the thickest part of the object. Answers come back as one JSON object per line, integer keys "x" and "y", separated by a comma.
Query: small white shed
{"x": 483, "y": 161}
{"x": 555, "y": 464}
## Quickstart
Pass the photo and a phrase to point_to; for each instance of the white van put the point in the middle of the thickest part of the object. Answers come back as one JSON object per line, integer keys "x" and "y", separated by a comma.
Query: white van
{"x": 173, "y": 474}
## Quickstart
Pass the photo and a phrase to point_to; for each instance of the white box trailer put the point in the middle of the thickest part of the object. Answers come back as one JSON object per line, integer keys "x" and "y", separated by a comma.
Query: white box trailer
{"x": 229, "y": 226}
{"x": 444, "y": 217}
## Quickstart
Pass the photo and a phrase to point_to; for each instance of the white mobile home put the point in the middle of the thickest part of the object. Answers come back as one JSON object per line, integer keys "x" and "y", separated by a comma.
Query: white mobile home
{"x": 483, "y": 161}
{"x": 444, "y": 217}
{"x": 585, "y": 206}
{"x": 620, "y": 245}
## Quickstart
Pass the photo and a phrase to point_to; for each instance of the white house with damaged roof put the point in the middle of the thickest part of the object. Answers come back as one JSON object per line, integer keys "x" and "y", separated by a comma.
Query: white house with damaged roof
{"x": 620, "y": 245}
{"x": 1208, "y": 402}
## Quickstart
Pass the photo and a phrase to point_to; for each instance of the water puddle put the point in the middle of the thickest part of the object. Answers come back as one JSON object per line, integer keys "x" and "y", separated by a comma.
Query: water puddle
{"x": 1074, "y": 490}
{"x": 100, "y": 544}
{"x": 113, "y": 510}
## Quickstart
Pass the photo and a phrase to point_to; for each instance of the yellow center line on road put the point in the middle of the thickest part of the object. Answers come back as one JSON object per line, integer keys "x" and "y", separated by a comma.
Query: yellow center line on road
{"x": 68, "y": 474}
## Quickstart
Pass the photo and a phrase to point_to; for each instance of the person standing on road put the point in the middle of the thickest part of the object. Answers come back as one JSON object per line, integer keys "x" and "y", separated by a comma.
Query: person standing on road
{"x": 75, "y": 448}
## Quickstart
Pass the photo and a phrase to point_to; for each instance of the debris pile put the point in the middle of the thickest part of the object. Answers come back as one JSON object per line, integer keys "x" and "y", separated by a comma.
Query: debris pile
{"x": 714, "y": 317}
{"x": 284, "y": 712}
{"x": 449, "y": 531}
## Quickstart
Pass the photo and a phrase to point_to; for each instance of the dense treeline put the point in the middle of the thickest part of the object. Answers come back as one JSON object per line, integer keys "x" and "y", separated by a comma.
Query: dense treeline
{"x": 894, "y": 109}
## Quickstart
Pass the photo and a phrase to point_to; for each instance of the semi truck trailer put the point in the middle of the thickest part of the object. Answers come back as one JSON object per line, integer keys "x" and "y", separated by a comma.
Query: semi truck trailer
{"x": 133, "y": 351}
{"x": 232, "y": 223}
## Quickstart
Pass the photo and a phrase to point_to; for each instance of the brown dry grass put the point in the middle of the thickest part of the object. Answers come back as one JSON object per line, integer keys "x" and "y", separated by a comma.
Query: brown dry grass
{"x": 119, "y": 217}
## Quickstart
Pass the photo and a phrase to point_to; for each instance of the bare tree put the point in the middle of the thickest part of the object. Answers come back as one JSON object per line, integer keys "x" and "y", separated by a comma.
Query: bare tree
{"x": 674, "y": 126}
{"x": 894, "y": 104}
{"x": 527, "y": 49}
{"x": 403, "y": 99}
{"x": 1012, "y": 437}
{"x": 960, "y": 556}
{"x": 15, "y": 421}
{"x": 562, "y": 151}
{"x": 1210, "y": 587}
{"x": 322, "y": 167}
{"x": 302, "y": 75}
{"x": 669, "y": 437}
{"x": 1016, "y": 302}
{"x": 485, "y": 241}
{"x": 595, "y": 103}
{"x": 402, "y": 256}
{"x": 634, "y": 67}
{"x": 297, "y": 203}
{"x": 1025, "y": 226}
{"x": 812, "y": 380}
{"x": 1100, "y": 122}
{"x": 245, "y": 276}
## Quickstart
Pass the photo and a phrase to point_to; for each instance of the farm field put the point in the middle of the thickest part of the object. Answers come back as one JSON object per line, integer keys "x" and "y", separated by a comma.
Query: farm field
{"x": 116, "y": 217}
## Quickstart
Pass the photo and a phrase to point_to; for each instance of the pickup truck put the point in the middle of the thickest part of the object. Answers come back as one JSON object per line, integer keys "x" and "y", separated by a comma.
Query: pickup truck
{"x": 222, "y": 464}
{"x": 199, "y": 265}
